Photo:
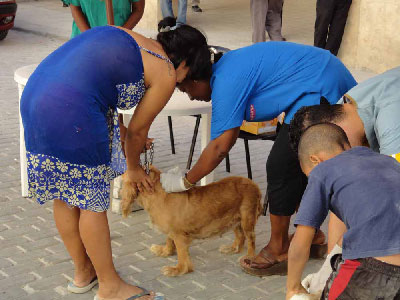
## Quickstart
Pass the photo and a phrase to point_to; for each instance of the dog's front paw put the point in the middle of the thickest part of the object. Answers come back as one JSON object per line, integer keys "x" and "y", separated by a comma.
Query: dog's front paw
{"x": 174, "y": 271}
{"x": 161, "y": 250}
{"x": 229, "y": 249}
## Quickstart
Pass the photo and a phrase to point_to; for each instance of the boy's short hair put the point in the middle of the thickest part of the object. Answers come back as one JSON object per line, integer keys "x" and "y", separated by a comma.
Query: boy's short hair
{"x": 311, "y": 115}
{"x": 323, "y": 137}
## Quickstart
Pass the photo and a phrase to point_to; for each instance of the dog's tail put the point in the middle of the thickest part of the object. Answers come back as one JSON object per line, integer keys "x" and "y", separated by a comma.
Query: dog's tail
{"x": 128, "y": 195}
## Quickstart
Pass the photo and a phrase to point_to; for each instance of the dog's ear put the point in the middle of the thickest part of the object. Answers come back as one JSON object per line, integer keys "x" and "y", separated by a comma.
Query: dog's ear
{"x": 128, "y": 195}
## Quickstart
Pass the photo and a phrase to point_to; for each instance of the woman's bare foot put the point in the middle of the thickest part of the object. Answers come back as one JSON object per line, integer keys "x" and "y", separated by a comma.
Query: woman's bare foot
{"x": 82, "y": 277}
{"x": 121, "y": 291}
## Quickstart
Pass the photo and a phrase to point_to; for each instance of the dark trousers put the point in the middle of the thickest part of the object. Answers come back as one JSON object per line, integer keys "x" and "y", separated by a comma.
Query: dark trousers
{"x": 365, "y": 278}
{"x": 286, "y": 181}
{"x": 330, "y": 23}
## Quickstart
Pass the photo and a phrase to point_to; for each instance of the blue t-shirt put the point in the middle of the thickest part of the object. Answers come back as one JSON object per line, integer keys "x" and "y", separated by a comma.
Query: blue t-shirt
{"x": 362, "y": 188}
{"x": 259, "y": 82}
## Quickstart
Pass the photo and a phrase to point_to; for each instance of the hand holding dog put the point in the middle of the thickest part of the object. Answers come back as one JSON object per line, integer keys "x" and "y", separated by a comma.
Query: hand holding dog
{"x": 140, "y": 179}
{"x": 299, "y": 294}
{"x": 172, "y": 181}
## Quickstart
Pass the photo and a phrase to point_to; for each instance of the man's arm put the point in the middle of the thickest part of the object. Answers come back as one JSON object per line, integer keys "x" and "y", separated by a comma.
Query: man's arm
{"x": 137, "y": 13}
{"x": 79, "y": 18}
{"x": 299, "y": 252}
{"x": 213, "y": 154}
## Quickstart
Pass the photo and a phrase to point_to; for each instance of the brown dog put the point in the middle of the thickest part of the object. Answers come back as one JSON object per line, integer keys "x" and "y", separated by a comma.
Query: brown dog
{"x": 198, "y": 213}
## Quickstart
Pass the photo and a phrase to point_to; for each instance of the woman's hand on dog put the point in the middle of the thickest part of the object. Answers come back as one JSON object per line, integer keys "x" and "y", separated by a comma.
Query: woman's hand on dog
{"x": 140, "y": 179}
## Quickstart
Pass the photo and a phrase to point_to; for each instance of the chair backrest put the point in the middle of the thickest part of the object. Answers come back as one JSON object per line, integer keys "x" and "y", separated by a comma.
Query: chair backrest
{"x": 220, "y": 48}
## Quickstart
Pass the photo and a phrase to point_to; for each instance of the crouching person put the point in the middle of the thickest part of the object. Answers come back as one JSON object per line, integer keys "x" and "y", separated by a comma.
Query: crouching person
{"x": 362, "y": 188}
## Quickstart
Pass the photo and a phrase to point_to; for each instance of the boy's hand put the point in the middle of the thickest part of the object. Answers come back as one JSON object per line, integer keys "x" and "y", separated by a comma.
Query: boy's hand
{"x": 299, "y": 290}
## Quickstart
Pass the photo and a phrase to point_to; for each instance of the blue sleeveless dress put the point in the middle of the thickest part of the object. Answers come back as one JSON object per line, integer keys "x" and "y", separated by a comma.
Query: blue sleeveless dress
{"x": 69, "y": 113}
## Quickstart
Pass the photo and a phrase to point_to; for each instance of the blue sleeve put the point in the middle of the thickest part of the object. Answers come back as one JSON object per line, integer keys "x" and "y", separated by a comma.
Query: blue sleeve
{"x": 229, "y": 101}
{"x": 314, "y": 206}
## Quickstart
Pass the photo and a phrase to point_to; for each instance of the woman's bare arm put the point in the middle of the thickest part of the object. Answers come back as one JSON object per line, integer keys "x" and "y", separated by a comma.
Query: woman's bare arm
{"x": 213, "y": 154}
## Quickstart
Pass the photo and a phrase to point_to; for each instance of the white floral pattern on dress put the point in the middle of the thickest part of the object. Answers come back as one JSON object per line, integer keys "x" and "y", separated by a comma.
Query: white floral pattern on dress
{"x": 78, "y": 185}
{"x": 129, "y": 94}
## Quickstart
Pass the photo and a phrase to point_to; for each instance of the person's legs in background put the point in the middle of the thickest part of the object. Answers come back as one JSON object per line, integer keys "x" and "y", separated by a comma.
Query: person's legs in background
{"x": 196, "y": 6}
{"x": 325, "y": 9}
{"x": 273, "y": 22}
{"x": 259, "y": 10}
{"x": 182, "y": 9}
{"x": 336, "y": 28}
{"x": 166, "y": 8}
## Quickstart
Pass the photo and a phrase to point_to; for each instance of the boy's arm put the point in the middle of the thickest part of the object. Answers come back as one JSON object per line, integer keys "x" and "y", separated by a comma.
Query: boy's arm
{"x": 299, "y": 252}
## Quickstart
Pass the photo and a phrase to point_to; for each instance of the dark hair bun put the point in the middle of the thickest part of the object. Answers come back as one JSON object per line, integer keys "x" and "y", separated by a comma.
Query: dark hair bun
{"x": 186, "y": 43}
{"x": 166, "y": 22}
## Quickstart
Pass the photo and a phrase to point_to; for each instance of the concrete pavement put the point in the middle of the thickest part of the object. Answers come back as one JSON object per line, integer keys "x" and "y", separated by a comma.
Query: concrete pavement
{"x": 33, "y": 261}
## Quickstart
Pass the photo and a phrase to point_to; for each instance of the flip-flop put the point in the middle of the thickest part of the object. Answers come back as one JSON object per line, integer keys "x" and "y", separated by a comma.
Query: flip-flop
{"x": 157, "y": 296}
{"x": 81, "y": 290}
{"x": 272, "y": 266}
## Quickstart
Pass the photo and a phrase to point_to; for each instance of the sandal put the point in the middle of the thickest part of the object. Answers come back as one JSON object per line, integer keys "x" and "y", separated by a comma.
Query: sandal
{"x": 71, "y": 287}
{"x": 157, "y": 296}
{"x": 272, "y": 265}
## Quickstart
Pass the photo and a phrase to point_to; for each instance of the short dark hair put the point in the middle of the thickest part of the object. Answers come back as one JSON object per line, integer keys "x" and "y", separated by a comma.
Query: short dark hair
{"x": 325, "y": 137}
{"x": 186, "y": 43}
{"x": 311, "y": 115}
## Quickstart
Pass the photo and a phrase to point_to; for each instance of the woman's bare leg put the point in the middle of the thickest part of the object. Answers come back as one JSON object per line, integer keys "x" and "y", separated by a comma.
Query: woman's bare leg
{"x": 336, "y": 230}
{"x": 95, "y": 233}
{"x": 67, "y": 222}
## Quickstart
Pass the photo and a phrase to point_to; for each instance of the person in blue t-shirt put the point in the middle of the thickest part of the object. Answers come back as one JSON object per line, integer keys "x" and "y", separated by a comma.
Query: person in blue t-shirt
{"x": 362, "y": 188}
{"x": 257, "y": 83}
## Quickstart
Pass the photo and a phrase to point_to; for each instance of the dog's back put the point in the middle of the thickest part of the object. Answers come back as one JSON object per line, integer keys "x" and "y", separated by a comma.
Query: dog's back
{"x": 209, "y": 210}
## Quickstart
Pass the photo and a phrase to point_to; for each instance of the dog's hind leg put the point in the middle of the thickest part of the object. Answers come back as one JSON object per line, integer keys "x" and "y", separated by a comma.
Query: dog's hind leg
{"x": 184, "y": 265}
{"x": 248, "y": 224}
{"x": 164, "y": 250}
{"x": 238, "y": 243}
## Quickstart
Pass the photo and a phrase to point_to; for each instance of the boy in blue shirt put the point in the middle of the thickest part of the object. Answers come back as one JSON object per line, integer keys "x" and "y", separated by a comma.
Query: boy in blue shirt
{"x": 362, "y": 188}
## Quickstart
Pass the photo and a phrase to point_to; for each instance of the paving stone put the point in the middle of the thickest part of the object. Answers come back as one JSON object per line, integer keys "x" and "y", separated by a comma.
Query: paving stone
{"x": 13, "y": 293}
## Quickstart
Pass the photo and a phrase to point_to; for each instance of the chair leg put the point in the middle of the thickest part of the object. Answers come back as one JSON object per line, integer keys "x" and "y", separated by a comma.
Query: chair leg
{"x": 171, "y": 135}
{"x": 246, "y": 147}
{"x": 227, "y": 163}
{"x": 196, "y": 131}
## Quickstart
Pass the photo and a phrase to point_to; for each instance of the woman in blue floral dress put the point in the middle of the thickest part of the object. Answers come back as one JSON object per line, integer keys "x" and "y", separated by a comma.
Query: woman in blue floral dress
{"x": 73, "y": 140}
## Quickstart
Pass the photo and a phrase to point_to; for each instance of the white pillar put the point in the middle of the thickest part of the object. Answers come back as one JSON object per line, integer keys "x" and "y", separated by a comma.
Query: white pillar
{"x": 371, "y": 40}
